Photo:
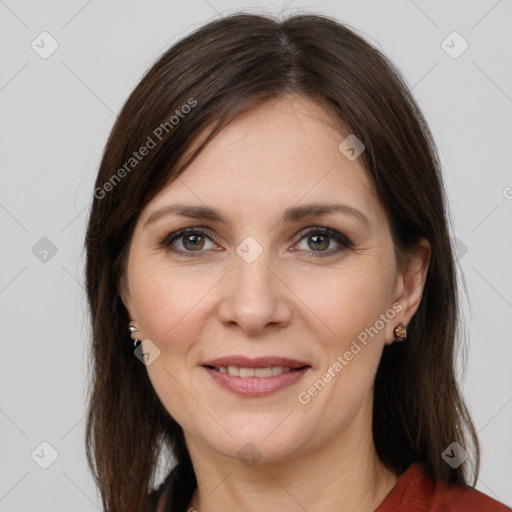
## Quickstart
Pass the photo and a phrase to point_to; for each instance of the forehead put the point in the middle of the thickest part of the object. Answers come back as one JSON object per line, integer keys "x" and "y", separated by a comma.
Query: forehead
{"x": 277, "y": 154}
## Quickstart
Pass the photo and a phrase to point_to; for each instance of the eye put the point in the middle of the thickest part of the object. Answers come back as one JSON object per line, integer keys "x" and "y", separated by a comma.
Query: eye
{"x": 191, "y": 240}
{"x": 319, "y": 239}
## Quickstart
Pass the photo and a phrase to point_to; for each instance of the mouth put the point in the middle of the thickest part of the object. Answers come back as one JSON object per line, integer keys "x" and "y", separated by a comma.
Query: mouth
{"x": 255, "y": 377}
{"x": 244, "y": 372}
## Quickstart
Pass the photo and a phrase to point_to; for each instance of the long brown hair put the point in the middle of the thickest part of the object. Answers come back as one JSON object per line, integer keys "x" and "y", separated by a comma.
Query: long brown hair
{"x": 221, "y": 70}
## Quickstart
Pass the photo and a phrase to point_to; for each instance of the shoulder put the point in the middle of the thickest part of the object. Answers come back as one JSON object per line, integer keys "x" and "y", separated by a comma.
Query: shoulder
{"x": 417, "y": 491}
{"x": 467, "y": 499}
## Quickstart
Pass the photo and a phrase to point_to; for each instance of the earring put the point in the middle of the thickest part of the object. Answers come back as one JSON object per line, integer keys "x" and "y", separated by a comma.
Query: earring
{"x": 133, "y": 330}
{"x": 400, "y": 332}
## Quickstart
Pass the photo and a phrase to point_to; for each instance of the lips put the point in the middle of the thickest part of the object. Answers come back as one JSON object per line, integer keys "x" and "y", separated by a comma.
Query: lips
{"x": 255, "y": 377}
{"x": 258, "y": 362}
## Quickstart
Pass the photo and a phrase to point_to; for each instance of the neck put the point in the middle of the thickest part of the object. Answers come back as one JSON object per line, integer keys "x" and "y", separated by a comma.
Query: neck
{"x": 343, "y": 474}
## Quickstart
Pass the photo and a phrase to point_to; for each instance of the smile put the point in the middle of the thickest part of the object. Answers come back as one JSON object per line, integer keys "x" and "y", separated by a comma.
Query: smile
{"x": 269, "y": 371}
{"x": 255, "y": 382}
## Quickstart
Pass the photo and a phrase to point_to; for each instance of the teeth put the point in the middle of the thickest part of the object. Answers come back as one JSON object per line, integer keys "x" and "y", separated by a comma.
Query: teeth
{"x": 263, "y": 372}
{"x": 236, "y": 371}
{"x": 246, "y": 372}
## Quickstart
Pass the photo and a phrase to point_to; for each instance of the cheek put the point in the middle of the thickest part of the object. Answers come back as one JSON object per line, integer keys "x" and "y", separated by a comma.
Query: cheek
{"x": 164, "y": 300}
{"x": 167, "y": 303}
{"x": 347, "y": 309}
{"x": 347, "y": 302}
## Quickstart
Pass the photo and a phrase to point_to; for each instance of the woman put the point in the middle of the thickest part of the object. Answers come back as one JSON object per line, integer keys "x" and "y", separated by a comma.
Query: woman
{"x": 269, "y": 226}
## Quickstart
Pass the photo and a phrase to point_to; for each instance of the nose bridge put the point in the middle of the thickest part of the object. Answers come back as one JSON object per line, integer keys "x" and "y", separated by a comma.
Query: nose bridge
{"x": 252, "y": 276}
{"x": 254, "y": 297}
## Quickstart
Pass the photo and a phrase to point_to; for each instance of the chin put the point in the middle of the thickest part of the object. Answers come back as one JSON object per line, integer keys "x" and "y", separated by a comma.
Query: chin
{"x": 264, "y": 441}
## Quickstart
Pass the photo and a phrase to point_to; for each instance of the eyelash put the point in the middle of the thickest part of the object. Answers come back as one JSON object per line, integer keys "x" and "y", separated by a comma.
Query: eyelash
{"x": 344, "y": 242}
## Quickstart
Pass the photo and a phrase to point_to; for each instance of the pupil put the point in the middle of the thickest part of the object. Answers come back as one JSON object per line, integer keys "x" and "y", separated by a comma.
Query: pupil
{"x": 319, "y": 242}
{"x": 194, "y": 239}
{"x": 316, "y": 237}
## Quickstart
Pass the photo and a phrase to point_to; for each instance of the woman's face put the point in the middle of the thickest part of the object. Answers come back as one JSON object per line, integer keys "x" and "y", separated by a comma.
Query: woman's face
{"x": 266, "y": 282}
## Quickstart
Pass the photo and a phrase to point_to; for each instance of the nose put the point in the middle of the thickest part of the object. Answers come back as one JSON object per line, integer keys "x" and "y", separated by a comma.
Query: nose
{"x": 254, "y": 297}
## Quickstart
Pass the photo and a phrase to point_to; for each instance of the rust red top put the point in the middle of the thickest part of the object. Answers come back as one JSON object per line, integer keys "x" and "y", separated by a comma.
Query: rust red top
{"x": 416, "y": 491}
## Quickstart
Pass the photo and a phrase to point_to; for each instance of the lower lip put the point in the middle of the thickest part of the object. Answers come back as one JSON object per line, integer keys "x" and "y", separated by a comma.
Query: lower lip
{"x": 256, "y": 386}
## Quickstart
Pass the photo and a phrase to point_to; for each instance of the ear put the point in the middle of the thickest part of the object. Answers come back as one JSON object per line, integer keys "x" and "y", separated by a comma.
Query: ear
{"x": 124, "y": 293}
{"x": 409, "y": 285}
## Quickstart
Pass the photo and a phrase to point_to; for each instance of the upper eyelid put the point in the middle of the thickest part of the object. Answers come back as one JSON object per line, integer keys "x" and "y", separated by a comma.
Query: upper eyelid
{"x": 328, "y": 231}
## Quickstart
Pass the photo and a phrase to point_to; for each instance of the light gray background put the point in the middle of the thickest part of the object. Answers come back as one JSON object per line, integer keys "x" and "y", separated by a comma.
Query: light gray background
{"x": 56, "y": 114}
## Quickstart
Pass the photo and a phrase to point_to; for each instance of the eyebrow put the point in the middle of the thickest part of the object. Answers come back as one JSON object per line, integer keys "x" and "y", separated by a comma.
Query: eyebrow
{"x": 290, "y": 215}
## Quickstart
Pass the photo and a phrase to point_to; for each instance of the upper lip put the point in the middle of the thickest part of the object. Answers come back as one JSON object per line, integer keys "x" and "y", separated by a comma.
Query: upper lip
{"x": 257, "y": 362}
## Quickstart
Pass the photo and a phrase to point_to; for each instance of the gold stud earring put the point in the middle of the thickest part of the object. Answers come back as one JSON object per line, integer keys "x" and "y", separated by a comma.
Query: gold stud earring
{"x": 400, "y": 332}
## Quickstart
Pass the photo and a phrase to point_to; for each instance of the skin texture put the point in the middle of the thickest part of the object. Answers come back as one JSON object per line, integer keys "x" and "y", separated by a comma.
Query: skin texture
{"x": 287, "y": 302}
